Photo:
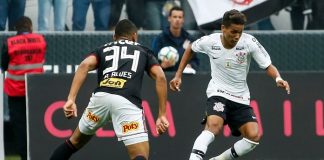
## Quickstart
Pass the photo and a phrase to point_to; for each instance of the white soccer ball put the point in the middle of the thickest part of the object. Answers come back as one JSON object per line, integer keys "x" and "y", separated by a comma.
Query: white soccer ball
{"x": 169, "y": 53}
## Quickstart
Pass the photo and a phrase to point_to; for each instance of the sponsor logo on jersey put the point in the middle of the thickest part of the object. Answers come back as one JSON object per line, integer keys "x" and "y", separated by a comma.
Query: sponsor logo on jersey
{"x": 228, "y": 64}
{"x": 225, "y": 92}
{"x": 92, "y": 117}
{"x": 219, "y": 107}
{"x": 240, "y": 57}
{"x": 239, "y": 48}
{"x": 260, "y": 47}
{"x": 130, "y": 126}
{"x": 113, "y": 82}
{"x": 216, "y": 47}
{"x": 257, "y": 43}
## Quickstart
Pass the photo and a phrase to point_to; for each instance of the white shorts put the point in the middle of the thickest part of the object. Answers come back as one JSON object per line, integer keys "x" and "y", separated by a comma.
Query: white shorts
{"x": 128, "y": 120}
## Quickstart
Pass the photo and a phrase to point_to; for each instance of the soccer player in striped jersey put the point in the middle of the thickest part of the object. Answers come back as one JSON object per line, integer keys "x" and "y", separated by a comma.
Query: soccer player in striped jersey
{"x": 230, "y": 53}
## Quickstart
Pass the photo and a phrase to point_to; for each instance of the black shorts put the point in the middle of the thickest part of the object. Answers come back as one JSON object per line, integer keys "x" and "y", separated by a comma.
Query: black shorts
{"x": 234, "y": 114}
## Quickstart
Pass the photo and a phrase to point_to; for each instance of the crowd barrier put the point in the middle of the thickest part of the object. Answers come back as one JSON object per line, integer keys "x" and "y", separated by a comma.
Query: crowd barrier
{"x": 291, "y": 125}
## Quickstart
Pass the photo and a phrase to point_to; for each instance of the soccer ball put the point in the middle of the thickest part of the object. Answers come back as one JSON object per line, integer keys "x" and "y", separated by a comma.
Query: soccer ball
{"x": 169, "y": 53}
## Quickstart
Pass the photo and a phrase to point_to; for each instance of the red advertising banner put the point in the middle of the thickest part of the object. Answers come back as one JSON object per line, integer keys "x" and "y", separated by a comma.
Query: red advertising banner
{"x": 291, "y": 125}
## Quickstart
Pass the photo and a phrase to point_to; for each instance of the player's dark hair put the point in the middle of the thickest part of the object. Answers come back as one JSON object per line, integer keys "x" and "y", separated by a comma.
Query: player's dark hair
{"x": 24, "y": 24}
{"x": 233, "y": 17}
{"x": 125, "y": 27}
{"x": 175, "y": 8}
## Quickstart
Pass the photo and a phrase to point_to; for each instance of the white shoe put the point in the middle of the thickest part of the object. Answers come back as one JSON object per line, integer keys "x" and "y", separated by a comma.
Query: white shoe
{"x": 216, "y": 158}
{"x": 219, "y": 157}
{"x": 189, "y": 70}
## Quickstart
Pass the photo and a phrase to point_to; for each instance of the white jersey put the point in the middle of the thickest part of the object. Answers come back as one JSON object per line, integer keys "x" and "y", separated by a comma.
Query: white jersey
{"x": 229, "y": 67}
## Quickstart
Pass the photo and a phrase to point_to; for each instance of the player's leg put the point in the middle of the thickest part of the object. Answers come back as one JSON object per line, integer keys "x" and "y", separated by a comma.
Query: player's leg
{"x": 129, "y": 126}
{"x": 242, "y": 122}
{"x": 94, "y": 117}
{"x": 248, "y": 143}
{"x": 138, "y": 151}
{"x": 214, "y": 124}
{"x": 70, "y": 146}
{"x": 250, "y": 131}
{"x": 251, "y": 138}
{"x": 18, "y": 121}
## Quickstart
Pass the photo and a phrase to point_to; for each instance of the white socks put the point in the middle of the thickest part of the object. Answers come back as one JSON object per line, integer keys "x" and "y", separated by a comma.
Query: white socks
{"x": 201, "y": 144}
{"x": 240, "y": 148}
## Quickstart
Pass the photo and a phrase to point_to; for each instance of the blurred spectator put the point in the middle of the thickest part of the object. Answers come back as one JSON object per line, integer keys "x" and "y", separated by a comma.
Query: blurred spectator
{"x": 115, "y": 12}
{"x": 263, "y": 24}
{"x": 101, "y": 12}
{"x": 189, "y": 18}
{"x": 154, "y": 18}
{"x": 318, "y": 15}
{"x": 296, "y": 13}
{"x": 307, "y": 14}
{"x": 21, "y": 54}
{"x": 11, "y": 10}
{"x": 175, "y": 36}
{"x": 60, "y": 11}
{"x": 134, "y": 10}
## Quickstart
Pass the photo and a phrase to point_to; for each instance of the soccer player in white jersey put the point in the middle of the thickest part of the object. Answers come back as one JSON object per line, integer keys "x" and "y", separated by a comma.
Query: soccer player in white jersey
{"x": 121, "y": 65}
{"x": 230, "y": 53}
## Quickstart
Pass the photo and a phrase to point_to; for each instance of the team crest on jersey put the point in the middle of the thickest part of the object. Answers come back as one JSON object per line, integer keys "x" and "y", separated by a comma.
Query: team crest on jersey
{"x": 130, "y": 126}
{"x": 113, "y": 82}
{"x": 240, "y": 57}
{"x": 219, "y": 107}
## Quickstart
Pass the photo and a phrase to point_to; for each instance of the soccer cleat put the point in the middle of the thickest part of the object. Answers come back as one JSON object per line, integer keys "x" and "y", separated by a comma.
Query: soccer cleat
{"x": 220, "y": 158}
{"x": 216, "y": 158}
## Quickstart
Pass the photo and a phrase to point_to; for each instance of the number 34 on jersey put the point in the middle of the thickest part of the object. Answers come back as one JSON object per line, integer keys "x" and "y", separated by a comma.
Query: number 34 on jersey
{"x": 113, "y": 77}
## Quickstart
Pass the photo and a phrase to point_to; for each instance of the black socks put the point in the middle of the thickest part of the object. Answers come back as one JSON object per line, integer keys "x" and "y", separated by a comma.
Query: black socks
{"x": 63, "y": 151}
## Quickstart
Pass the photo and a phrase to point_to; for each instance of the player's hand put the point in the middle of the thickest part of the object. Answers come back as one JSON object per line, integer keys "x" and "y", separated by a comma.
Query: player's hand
{"x": 70, "y": 109}
{"x": 162, "y": 124}
{"x": 175, "y": 84}
{"x": 284, "y": 84}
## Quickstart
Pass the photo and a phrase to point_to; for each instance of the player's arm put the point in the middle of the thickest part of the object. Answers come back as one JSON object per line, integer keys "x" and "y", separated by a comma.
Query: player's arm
{"x": 176, "y": 81}
{"x": 157, "y": 74}
{"x": 262, "y": 57}
{"x": 273, "y": 72}
{"x": 88, "y": 64}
